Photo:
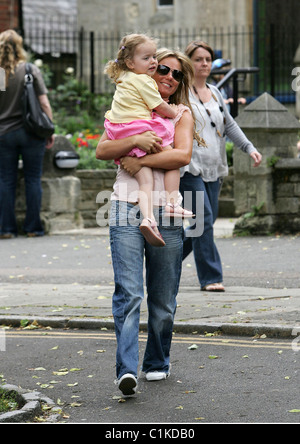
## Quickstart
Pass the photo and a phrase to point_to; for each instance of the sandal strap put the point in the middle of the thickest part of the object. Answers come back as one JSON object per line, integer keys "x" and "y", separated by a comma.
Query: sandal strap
{"x": 152, "y": 222}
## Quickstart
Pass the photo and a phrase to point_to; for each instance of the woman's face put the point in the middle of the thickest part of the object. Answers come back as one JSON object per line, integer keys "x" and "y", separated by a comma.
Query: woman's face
{"x": 167, "y": 85}
{"x": 202, "y": 61}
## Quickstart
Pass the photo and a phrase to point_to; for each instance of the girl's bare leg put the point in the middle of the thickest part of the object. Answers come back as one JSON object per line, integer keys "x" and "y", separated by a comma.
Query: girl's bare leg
{"x": 145, "y": 181}
{"x": 172, "y": 180}
{"x": 148, "y": 226}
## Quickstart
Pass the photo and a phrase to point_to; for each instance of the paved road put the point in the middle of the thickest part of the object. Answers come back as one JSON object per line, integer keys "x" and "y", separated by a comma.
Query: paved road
{"x": 222, "y": 380}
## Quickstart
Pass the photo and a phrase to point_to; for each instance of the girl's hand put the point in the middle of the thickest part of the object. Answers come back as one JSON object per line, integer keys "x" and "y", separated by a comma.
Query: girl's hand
{"x": 175, "y": 108}
{"x": 149, "y": 142}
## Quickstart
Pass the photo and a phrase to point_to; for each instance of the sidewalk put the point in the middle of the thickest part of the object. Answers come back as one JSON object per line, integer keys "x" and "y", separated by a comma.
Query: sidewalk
{"x": 64, "y": 297}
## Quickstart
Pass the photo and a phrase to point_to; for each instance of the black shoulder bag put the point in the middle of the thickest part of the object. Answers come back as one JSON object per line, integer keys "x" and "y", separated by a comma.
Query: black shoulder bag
{"x": 35, "y": 119}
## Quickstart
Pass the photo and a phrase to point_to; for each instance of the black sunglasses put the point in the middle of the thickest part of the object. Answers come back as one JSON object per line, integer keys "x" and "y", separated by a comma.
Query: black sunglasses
{"x": 163, "y": 70}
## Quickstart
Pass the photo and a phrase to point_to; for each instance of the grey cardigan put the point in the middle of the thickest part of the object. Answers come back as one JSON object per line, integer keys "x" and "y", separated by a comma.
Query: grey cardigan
{"x": 210, "y": 161}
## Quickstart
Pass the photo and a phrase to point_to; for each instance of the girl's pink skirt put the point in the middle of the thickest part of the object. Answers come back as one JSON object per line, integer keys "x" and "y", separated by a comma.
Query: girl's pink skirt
{"x": 163, "y": 128}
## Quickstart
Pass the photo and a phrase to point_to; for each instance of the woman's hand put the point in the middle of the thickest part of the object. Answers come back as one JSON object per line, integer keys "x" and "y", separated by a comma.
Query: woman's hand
{"x": 257, "y": 157}
{"x": 50, "y": 142}
{"x": 131, "y": 165}
{"x": 149, "y": 142}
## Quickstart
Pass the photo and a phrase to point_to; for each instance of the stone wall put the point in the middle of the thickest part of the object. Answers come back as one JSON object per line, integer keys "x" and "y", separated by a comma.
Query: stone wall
{"x": 94, "y": 182}
{"x": 286, "y": 195}
{"x": 71, "y": 197}
{"x": 267, "y": 197}
{"x": 61, "y": 193}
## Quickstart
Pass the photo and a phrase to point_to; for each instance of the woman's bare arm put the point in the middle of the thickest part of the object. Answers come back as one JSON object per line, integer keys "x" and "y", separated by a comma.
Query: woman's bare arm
{"x": 108, "y": 149}
{"x": 45, "y": 105}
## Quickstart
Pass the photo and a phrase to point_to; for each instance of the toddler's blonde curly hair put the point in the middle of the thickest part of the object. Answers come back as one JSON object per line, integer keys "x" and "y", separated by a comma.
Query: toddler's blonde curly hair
{"x": 126, "y": 52}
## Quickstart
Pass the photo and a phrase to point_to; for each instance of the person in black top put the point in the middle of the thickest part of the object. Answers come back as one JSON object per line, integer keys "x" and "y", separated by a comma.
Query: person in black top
{"x": 16, "y": 142}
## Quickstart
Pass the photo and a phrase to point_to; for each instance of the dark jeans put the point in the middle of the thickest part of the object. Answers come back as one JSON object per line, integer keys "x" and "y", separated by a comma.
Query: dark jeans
{"x": 13, "y": 145}
{"x": 206, "y": 255}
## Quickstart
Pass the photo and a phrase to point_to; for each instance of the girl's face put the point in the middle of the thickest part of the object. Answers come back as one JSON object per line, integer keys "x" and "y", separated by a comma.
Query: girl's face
{"x": 202, "y": 61}
{"x": 167, "y": 85}
{"x": 144, "y": 59}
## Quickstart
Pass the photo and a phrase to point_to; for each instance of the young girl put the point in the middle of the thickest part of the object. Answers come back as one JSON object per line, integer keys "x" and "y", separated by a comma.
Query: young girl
{"x": 131, "y": 113}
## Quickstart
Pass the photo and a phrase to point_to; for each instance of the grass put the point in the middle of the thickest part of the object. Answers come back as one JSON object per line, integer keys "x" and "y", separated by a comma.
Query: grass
{"x": 8, "y": 401}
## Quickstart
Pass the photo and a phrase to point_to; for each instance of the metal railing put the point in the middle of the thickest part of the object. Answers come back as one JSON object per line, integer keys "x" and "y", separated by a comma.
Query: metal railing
{"x": 234, "y": 74}
{"x": 88, "y": 51}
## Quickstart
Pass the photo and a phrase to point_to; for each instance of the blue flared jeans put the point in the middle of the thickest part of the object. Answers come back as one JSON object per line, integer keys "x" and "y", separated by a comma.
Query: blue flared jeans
{"x": 206, "y": 255}
{"x": 13, "y": 145}
{"x": 163, "y": 269}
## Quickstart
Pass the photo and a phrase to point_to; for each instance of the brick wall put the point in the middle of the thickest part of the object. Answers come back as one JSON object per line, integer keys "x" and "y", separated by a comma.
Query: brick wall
{"x": 9, "y": 14}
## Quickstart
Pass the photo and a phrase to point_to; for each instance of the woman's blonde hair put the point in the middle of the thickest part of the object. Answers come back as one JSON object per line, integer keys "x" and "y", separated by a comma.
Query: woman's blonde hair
{"x": 126, "y": 52}
{"x": 181, "y": 95}
{"x": 11, "y": 51}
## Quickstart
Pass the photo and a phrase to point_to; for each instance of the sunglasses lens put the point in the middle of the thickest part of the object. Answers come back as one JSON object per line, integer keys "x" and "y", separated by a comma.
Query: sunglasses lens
{"x": 163, "y": 70}
{"x": 178, "y": 75}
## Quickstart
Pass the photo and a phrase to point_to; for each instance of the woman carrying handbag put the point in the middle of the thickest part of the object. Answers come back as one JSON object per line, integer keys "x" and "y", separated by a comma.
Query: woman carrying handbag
{"x": 16, "y": 141}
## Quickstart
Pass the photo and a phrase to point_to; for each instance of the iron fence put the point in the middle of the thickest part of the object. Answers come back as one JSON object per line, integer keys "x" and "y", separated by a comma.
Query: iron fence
{"x": 88, "y": 51}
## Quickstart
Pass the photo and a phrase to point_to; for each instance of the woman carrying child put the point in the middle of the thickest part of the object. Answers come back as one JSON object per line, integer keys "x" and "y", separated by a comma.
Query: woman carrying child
{"x": 128, "y": 246}
{"x": 135, "y": 99}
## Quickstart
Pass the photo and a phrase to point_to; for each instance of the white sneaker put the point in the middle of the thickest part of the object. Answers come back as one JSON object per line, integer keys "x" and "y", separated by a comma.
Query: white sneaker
{"x": 127, "y": 384}
{"x": 157, "y": 376}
